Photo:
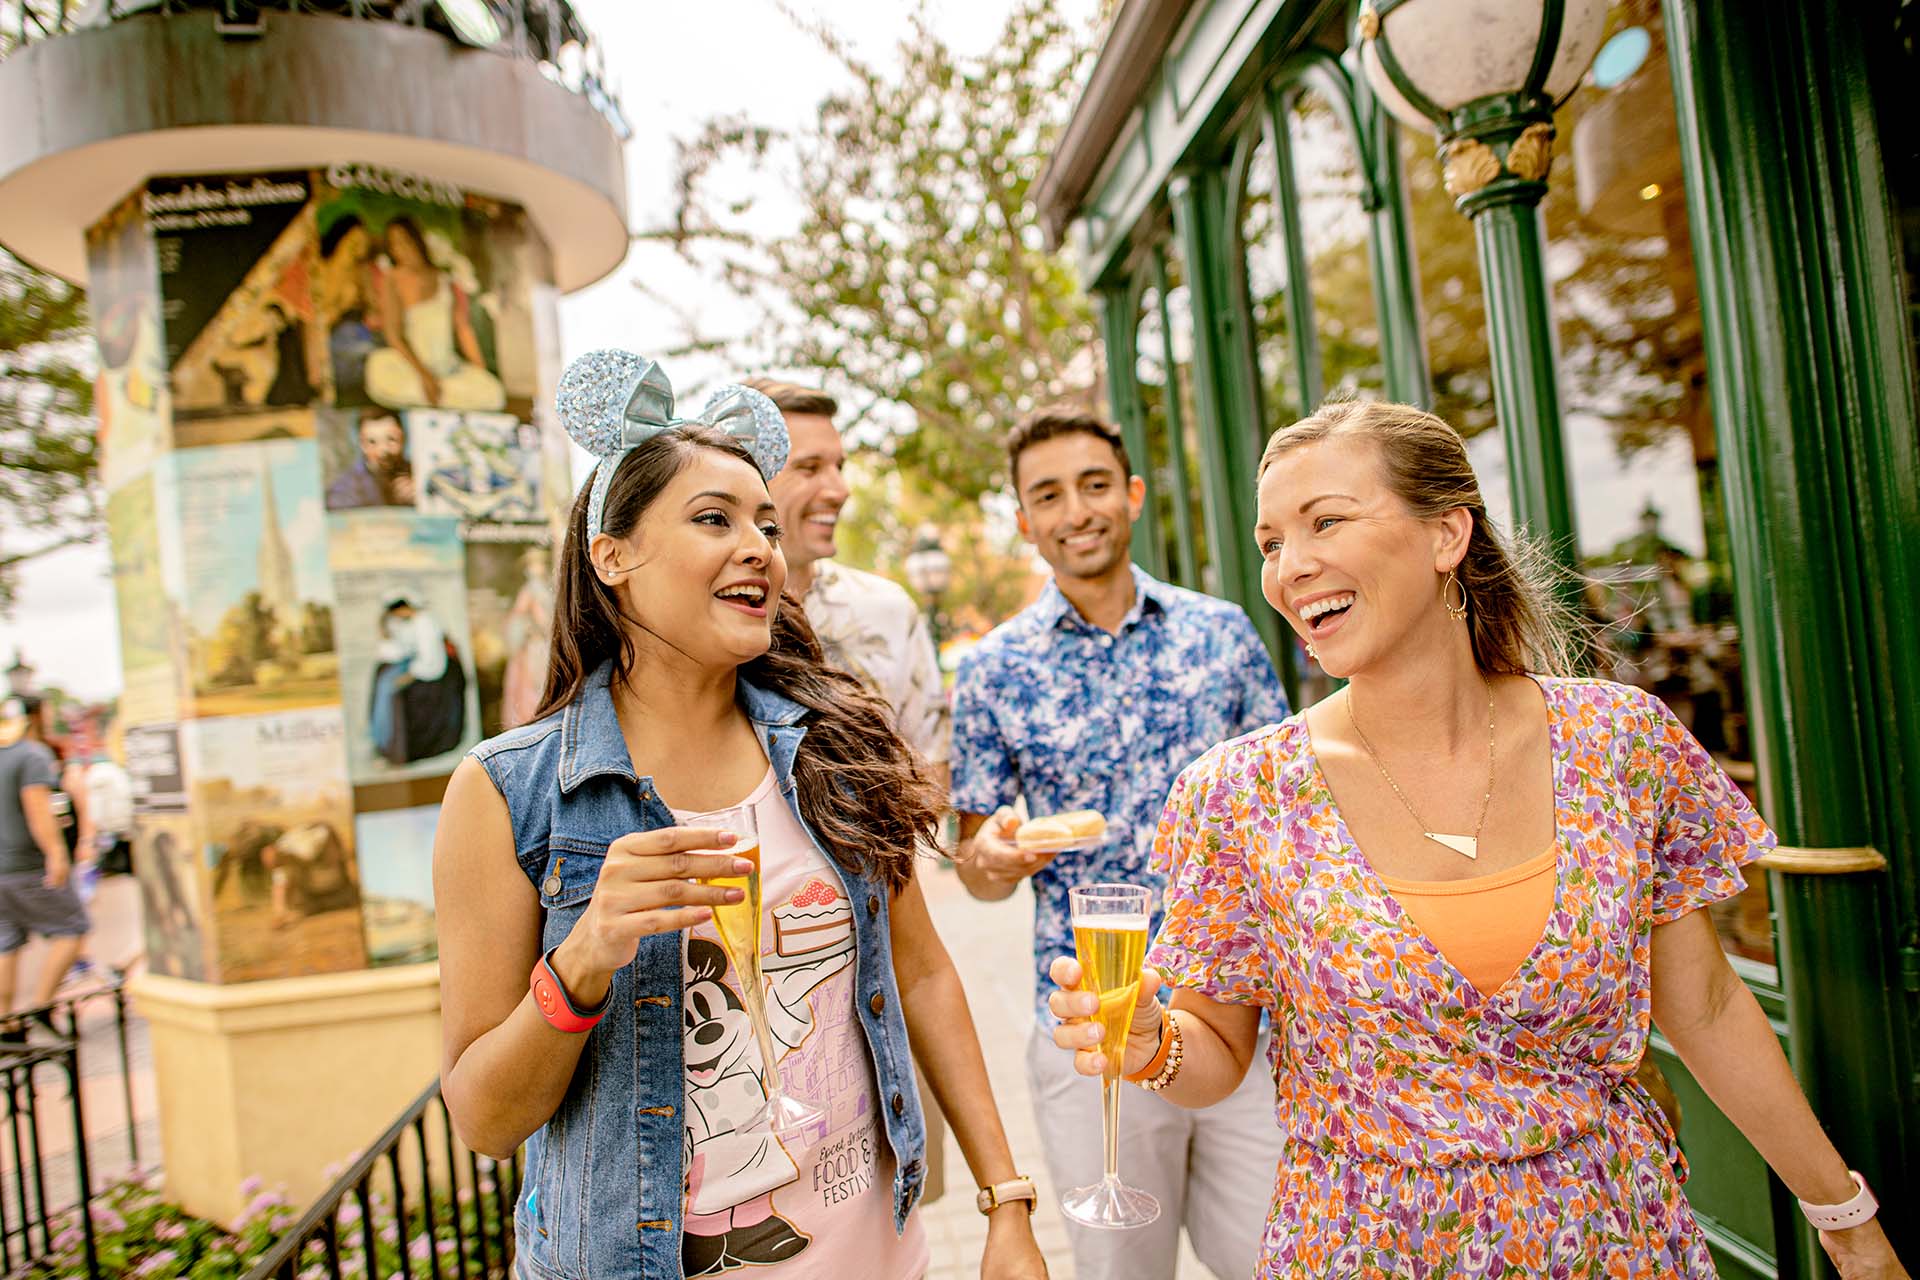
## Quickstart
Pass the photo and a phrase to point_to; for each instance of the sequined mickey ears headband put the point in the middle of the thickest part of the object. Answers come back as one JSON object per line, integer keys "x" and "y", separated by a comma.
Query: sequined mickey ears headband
{"x": 613, "y": 401}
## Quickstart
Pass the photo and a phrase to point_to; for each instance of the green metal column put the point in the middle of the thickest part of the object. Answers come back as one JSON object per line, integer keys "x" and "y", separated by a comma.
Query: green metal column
{"x": 1118, "y": 330}
{"x": 1223, "y": 370}
{"x": 1815, "y": 409}
{"x": 1396, "y": 273}
{"x": 1525, "y": 358}
{"x": 1303, "y": 327}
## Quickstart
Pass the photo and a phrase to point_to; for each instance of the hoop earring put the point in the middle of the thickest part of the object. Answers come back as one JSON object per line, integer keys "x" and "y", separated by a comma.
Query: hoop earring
{"x": 1458, "y": 612}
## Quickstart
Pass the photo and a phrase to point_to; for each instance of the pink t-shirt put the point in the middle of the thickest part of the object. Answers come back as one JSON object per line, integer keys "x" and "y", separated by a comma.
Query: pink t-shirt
{"x": 817, "y": 1204}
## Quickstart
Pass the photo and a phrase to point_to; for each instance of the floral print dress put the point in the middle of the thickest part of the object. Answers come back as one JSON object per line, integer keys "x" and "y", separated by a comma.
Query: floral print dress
{"x": 1435, "y": 1130}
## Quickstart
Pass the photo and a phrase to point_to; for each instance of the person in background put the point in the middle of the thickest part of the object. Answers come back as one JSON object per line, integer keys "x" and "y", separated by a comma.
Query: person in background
{"x": 869, "y": 625}
{"x": 36, "y": 860}
{"x": 1095, "y": 697}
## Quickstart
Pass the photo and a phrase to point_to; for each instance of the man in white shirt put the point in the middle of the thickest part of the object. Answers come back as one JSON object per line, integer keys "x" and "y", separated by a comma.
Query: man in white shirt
{"x": 868, "y": 625}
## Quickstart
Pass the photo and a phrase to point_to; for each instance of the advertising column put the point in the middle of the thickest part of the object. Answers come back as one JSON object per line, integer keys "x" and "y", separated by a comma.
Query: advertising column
{"x": 331, "y": 502}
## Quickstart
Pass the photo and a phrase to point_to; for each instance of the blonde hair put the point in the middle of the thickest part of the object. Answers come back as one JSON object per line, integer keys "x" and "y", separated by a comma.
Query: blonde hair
{"x": 1518, "y": 618}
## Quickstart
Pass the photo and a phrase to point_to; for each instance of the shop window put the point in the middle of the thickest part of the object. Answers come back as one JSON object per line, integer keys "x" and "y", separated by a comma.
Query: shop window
{"x": 1640, "y": 435}
{"x": 1151, "y": 373}
{"x": 1263, "y": 246}
{"x": 1185, "y": 420}
{"x": 1333, "y": 228}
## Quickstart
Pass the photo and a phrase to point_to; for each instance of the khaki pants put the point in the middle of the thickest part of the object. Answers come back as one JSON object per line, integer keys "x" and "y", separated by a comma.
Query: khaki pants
{"x": 1212, "y": 1170}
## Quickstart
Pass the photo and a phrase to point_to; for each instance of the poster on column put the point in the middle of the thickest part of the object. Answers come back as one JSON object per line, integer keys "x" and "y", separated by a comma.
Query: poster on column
{"x": 236, "y": 263}
{"x": 424, "y": 294}
{"x": 246, "y": 428}
{"x": 510, "y": 606}
{"x": 406, "y": 660}
{"x": 173, "y": 894}
{"x": 130, "y": 390}
{"x": 247, "y": 564}
{"x": 154, "y": 766}
{"x": 481, "y": 467}
{"x": 150, "y": 625}
{"x": 275, "y": 811}
{"x": 396, "y": 884}
{"x": 363, "y": 459}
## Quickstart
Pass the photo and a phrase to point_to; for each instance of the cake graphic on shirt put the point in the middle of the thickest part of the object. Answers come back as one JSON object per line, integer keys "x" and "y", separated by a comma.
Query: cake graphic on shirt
{"x": 815, "y": 919}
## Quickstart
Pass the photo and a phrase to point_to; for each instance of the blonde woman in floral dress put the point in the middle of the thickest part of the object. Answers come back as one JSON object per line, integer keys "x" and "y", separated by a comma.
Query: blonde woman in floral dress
{"x": 1466, "y": 890}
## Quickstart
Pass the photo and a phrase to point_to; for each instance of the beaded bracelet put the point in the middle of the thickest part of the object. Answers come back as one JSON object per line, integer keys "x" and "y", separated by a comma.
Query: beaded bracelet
{"x": 1174, "y": 1056}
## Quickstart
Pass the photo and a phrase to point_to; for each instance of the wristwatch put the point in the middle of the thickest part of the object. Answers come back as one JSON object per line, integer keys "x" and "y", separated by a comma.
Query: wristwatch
{"x": 1018, "y": 1187}
{"x": 555, "y": 1005}
{"x": 1840, "y": 1217}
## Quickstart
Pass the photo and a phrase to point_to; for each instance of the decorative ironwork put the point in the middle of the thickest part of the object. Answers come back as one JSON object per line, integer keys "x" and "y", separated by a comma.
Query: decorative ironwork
{"x": 546, "y": 32}
{"x": 1531, "y": 154}
{"x": 1470, "y": 166}
{"x": 30, "y": 1040}
{"x": 427, "y": 1200}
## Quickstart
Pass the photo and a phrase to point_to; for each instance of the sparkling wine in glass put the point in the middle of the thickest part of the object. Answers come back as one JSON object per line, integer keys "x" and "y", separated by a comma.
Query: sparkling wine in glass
{"x": 1110, "y": 937}
{"x": 738, "y": 924}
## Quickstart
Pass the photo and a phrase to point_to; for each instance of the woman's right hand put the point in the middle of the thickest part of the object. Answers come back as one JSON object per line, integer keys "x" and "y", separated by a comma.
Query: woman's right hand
{"x": 650, "y": 882}
{"x": 1080, "y": 1034}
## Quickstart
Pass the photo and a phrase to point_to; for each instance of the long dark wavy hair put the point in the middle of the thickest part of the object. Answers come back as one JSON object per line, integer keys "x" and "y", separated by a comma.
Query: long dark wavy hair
{"x": 862, "y": 790}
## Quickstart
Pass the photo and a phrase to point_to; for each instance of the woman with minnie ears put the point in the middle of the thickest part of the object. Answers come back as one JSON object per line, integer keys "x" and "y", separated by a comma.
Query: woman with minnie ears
{"x": 584, "y": 1011}
{"x": 1466, "y": 886}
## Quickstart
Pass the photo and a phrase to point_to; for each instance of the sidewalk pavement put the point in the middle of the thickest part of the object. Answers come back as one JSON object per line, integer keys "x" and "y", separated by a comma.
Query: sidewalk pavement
{"x": 992, "y": 946}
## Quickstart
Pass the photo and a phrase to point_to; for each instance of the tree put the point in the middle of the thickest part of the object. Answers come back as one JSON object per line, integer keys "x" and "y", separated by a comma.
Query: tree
{"x": 913, "y": 283}
{"x": 47, "y": 493}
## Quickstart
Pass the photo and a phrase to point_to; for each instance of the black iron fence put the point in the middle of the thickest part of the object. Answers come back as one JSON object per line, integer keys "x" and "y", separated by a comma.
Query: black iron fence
{"x": 44, "y": 1179}
{"x": 417, "y": 1220}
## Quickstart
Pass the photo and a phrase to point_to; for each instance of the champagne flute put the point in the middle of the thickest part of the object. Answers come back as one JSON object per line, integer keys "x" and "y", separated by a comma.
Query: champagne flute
{"x": 738, "y": 924}
{"x": 1110, "y": 936}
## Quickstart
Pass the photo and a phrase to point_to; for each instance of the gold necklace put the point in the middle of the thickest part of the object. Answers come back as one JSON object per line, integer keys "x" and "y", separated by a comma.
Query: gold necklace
{"x": 1467, "y": 846}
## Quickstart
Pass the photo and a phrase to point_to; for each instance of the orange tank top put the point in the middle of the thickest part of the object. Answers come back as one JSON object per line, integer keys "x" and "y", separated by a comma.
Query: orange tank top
{"x": 1487, "y": 925}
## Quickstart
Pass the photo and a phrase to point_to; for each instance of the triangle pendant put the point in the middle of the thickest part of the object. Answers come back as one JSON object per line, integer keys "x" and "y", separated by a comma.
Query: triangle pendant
{"x": 1466, "y": 846}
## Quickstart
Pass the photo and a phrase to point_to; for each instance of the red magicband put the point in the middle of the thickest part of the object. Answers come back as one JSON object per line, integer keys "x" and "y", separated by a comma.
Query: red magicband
{"x": 556, "y": 1006}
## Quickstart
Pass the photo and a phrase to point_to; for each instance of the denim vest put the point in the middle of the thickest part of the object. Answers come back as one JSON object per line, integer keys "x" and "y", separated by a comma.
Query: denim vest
{"x": 604, "y": 1177}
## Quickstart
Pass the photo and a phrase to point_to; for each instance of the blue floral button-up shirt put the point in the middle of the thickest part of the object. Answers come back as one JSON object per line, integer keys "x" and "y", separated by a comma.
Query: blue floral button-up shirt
{"x": 1053, "y": 708}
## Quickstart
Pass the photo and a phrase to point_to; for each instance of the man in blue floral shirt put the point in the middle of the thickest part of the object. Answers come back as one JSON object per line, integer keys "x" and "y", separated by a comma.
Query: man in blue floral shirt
{"x": 1095, "y": 697}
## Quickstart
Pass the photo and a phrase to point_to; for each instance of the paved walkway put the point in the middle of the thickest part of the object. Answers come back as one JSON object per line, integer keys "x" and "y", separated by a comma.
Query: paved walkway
{"x": 992, "y": 945}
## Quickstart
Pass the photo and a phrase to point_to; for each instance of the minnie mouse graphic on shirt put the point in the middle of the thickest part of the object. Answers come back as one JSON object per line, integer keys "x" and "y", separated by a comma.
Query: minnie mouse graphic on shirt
{"x": 731, "y": 1221}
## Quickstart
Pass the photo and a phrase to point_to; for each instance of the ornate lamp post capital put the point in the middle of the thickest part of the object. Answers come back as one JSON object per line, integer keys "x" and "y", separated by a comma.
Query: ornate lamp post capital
{"x": 1487, "y": 86}
{"x": 1485, "y": 77}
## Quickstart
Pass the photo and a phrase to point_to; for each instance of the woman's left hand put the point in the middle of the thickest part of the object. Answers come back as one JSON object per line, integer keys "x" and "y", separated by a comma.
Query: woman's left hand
{"x": 1863, "y": 1253}
{"x": 1012, "y": 1252}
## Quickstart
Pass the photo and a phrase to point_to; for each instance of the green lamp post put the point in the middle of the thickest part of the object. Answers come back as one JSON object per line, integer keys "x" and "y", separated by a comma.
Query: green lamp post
{"x": 1486, "y": 75}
